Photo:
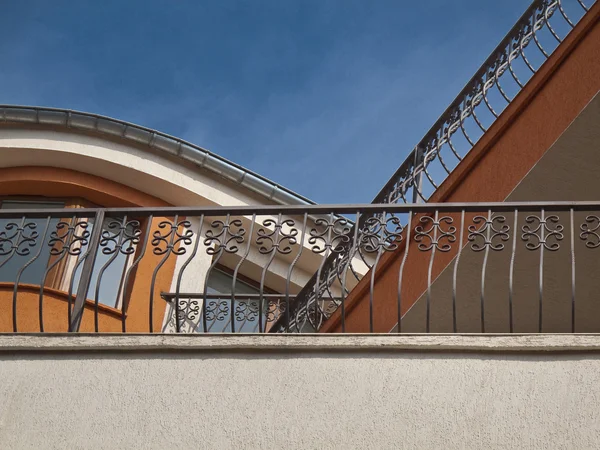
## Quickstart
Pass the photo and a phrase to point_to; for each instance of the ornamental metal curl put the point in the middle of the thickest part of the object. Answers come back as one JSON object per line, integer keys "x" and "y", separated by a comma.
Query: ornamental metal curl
{"x": 172, "y": 240}
{"x": 381, "y": 233}
{"x": 330, "y": 234}
{"x": 246, "y": 311}
{"x": 436, "y": 233}
{"x": 275, "y": 310}
{"x": 484, "y": 232}
{"x": 183, "y": 315}
{"x": 540, "y": 230}
{"x": 589, "y": 231}
{"x": 69, "y": 237}
{"x": 224, "y": 236}
{"x": 216, "y": 310}
{"x": 120, "y": 236}
{"x": 280, "y": 239}
{"x": 188, "y": 309}
{"x": 18, "y": 238}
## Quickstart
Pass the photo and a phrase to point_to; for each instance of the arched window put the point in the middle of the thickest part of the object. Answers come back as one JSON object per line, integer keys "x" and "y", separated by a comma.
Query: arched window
{"x": 27, "y": 256}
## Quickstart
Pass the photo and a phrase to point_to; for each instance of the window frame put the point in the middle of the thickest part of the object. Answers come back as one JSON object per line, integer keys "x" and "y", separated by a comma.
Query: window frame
{"x": 244, "y": 279}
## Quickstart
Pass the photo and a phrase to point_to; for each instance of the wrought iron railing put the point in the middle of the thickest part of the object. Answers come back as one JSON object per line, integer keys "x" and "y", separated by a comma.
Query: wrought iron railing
{"x": 530, "y": 42}
{"x": 521, "y": 53}
{"x": 503, "y": 267}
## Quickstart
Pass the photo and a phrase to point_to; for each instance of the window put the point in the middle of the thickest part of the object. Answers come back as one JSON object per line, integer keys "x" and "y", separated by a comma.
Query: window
{"x": 115, "y": 266}
{"x": 246, "y": 309}
{"x": 33, "y": 273}
{"x": 33, "y": 263}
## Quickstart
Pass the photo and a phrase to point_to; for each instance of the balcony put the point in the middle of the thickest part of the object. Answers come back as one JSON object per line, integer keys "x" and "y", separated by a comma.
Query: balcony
{"x": 485, "y": 297}
{"x": 405, "y": 268}
{"x": 309, "y": 268}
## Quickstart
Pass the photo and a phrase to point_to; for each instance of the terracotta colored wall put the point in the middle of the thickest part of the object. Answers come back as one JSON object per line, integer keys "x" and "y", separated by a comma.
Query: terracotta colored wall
{"x": 501, "y": 159}
{"x": 53, "y": 182}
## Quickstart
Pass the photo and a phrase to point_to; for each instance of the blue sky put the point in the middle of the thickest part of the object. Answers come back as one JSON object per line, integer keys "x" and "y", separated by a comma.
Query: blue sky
{"x": 324, "y": 97}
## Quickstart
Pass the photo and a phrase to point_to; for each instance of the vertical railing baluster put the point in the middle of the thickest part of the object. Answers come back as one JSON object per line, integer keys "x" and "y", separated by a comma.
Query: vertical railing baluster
{"x": 22, "y": 269}
{"x": 455, "y": 271}
{"x": 484, "y": 266}
{"x": 145, "y": 238}
{"x": 15, "y": 242}
{"x": 401, "y": 270}
{"x": 118, "y": 245}
{"x": 289, "y": 274}
{"x": 327, "y": 251}
{"x": 347, "y": 266}
{"x": 274, "y": 243}
{"x": 236, "y": 271}
{"x": 86, "y": 272}
{"x": 157, "y": 241}
{"x": 511, "y": 274}
{"x": 572, "y": 271}
{"x": 182, "y": 270}
{"x": 216, "y": 253}
{"x": 419, "y": 159}
{"x": 541, "y": 267}
{"x": 429, "y": 273}
{"x": 65, "y": 241}
{"x": 373, "y": 272}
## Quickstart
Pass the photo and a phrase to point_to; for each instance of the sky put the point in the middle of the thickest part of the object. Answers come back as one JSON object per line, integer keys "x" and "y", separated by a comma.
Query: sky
{"x": 326, "y": 97}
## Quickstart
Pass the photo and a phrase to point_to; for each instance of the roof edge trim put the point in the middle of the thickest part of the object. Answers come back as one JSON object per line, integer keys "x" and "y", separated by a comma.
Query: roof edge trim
{"x": 201, "y": 157}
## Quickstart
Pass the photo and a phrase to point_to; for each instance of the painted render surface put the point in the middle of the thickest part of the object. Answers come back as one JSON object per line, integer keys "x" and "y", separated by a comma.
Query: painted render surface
{"x": 338, "y": 392}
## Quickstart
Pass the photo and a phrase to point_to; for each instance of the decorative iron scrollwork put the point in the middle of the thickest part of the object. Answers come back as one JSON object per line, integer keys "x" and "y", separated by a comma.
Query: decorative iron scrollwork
{"x": 18, "y": 239}
{"x": 381, "y": 233}
{"x": 120, "y": 236}
{"x": 541, "y": 230}
{"x": 246, "y": 311}
{"x": 279, "y": 239}
{"x": 488, "y": 233}
{"x": 275, "y": 310}
{"x": 333, "y": 235}
{"x": 189, "y": 308}
{"x": 216, "y": 310}
{"x": 176, "y": 236}
{"x": 69, "y": 237}
{"x": 589, "y": 231}
{"x": 440, "y": 230}
{"x": 224, "y": 236}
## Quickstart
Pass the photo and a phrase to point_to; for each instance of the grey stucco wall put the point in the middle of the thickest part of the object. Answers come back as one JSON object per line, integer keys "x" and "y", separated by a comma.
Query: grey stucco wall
{"x": 338, "y": 392}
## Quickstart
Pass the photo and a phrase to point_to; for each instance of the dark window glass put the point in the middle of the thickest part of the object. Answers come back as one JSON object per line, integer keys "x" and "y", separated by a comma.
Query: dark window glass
{"x": 245, "y": 312}
{"x": 113, "y": 276}
{"x": 32, "y": 255}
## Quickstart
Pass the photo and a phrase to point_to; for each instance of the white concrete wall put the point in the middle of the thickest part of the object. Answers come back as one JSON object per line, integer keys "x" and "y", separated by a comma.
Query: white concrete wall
{"x": 300, "y": 392}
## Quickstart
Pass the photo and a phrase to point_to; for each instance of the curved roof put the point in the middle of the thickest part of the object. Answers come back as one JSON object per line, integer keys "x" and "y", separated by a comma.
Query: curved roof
{"x": 82, "y": 121}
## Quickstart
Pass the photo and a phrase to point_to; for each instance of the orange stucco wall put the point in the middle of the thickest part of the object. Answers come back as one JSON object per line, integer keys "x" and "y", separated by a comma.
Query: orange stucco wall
{"x": 54, "y": 311}
{"x": 54, "y": 182}
{"x": 503, "y": 156}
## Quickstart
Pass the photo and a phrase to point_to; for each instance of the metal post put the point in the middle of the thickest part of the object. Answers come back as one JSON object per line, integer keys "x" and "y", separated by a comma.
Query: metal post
{"x": 86, "y": 273}
{"x": 418, "y": 178}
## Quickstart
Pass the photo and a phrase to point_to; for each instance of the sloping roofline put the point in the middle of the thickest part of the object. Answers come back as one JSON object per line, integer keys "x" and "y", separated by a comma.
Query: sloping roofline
{"x": 202, "y": 158}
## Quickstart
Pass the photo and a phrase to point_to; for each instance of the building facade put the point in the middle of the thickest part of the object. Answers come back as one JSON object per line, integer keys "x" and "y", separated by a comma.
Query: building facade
{"x": 154, "y": 294}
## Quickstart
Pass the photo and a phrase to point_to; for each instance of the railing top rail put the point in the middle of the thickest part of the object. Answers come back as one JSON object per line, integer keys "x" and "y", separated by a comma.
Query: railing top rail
{"x": 212, "y": 211}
